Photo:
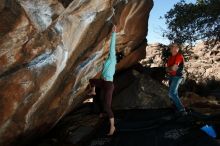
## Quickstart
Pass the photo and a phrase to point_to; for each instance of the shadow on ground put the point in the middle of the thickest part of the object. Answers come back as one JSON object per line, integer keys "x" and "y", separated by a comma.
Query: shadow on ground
{"x": 157, "y": 128}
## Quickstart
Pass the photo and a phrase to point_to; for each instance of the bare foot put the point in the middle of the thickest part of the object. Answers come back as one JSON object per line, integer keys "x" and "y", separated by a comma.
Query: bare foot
{"x": 112, "y": 131}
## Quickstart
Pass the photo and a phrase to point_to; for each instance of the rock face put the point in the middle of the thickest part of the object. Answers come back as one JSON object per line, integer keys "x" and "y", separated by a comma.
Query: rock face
{"x": 136, "y": 90}
{"x": 206, "y": 105}
{"x": 48, "y": 51}
{"x": 204, "y": 62}
{"x": 74, "y": 129}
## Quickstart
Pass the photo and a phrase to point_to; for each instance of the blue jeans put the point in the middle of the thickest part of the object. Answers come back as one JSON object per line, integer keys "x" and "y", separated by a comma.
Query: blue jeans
{"x": 174, "y": 83}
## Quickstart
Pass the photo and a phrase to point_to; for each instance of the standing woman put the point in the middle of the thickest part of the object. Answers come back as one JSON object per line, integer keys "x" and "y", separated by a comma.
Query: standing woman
{"x": 106, "y": 82}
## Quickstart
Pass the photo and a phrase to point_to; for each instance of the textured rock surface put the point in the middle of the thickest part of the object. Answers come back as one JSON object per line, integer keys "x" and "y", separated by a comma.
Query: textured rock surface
{"x": 204, "y": 63}
{"x": 139, "y": 91}
{"x": 48, "y": 51}
{"x": 206, "y": 105}
{"x": 74, "y": 129}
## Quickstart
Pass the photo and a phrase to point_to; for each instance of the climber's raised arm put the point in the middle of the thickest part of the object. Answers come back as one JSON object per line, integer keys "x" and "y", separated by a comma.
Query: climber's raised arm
{"x": 112, "y": 52}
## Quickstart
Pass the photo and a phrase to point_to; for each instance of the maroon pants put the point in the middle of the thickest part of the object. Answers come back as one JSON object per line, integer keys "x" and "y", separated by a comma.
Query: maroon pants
{"x": 107, "y": 88}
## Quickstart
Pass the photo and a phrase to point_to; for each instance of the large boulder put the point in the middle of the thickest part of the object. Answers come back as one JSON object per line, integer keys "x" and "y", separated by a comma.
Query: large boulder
{"x": 49, "y": 49}
{"x": 135, "y": 90}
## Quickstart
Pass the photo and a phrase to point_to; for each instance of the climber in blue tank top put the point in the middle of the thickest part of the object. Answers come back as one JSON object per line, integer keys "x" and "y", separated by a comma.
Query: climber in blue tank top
{"x": 109, "y": 65}
{"x": 106, "y": 83}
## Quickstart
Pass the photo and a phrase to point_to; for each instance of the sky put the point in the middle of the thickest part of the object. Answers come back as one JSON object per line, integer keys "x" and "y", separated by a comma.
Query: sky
{"x": 155, "y": 24}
